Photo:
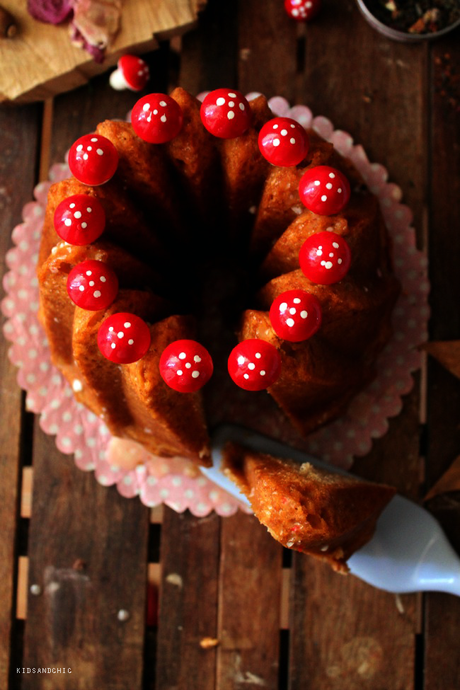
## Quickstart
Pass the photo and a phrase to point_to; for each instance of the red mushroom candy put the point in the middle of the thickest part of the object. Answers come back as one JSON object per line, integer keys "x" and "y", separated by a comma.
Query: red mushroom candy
{"x": 283, "y": 142}
{"x": 254, "y": 364}
{"x": 302, "y": 10}
{"x": 79, "y": 219}
{"x": 295, "y": 315}
{"x": 123, "y": 338}
{"x": 93, "y": 159}
{"x": 92, "y": 285}
{"x": 132, "y": 73}
{"x": 324, "y": 190}
{"x": 157, "y": 118}
{"x": 325, "y": 258}
{"x": 185, "y": 366}
{"x": 226, "y": 113}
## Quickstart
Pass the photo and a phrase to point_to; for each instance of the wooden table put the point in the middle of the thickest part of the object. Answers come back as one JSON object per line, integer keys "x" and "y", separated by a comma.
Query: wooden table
{"x": 282, "y": 620}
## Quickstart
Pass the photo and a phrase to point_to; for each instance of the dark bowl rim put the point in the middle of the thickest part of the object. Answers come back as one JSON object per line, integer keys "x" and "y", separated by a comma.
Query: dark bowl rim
{"x": 404, "y": 36}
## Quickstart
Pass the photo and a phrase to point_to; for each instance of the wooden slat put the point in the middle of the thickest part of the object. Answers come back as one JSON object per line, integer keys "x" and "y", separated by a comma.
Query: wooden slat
{"x": 188, "y": 601}
{"x": 249, "y": 608}
{"x": 208, "y": 56}
{"x": 26, "y": 492}
{"x": 342, "y": 629}
{"x": 347, "y": 636}
{"x": 20, "y": 131}
{"x": 88, "y": 545}
{"x": 267, "y": 54}
{"x": 88, "y": 556}
{"x": 23, "y": 577}
{"x": 442, "y": 612}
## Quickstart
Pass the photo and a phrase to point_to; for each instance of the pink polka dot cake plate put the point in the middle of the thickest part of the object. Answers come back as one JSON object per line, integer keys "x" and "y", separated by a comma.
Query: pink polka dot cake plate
{"x": 174, "y": 481}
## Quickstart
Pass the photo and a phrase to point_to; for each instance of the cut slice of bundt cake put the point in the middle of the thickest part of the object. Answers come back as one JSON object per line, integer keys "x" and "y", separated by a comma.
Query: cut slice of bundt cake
{"x": 324, "y": 514}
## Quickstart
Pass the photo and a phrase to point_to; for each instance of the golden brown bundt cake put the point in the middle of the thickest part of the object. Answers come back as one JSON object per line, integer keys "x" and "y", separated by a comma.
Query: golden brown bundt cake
{"x": 324, "y": 514}
{"x": 195, "y": 206}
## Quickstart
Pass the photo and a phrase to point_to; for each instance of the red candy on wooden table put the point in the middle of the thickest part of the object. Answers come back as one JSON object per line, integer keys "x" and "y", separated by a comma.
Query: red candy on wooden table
{"x": 92, "y": 285}
{"x": 302, "y": 10}
{"x": 132, "y": 73}
{"x": 324, "y": 190}
{"x": 254, "y": 364}
{"x": 79, "y": 219}
{"x": 123, "y": 338}
{"x": 157, "y": 118}
{"x": 295, "y": 315}
{"x": 185, "y": 366}
{"x": 226, "y": 113}
{"x": 93, "y": 159}
{"x": 283, "y": 142}
{"x": 325, "y": 258}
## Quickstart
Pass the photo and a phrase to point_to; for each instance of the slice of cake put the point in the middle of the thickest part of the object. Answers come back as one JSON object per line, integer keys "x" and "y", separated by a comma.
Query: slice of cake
{"x": 324, "y": 514}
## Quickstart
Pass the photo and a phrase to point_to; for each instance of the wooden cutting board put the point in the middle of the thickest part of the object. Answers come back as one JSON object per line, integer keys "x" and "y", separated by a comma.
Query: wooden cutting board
{"x": 40, "y": 60}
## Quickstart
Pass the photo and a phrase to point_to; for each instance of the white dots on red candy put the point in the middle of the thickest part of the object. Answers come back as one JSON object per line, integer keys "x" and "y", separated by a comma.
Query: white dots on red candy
{"x": 78, "y": 223}
{"x": 319, "y": 270}
{"x": 78, "y": 285}
{"x": 275, "y": 145}
{"x": 223, "y": 117}
{"x": 150, "y": 121}
{"x": 302, "y": 10}
{"x": 93, "y": 167}
{"x": 251, "y": 375}
{"x": 186, "y": 366}
{"x": 119, "y": 350}
{"x": 295, "y": 324}
{"x": 320, "y": 195}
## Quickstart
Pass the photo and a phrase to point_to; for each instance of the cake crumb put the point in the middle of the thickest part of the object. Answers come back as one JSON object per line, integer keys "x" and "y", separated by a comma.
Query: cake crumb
{"x": 208, "y": 642}
{"x": 175, "y": 579}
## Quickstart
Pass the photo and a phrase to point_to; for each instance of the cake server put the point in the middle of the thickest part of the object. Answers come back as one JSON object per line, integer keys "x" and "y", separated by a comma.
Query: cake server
{"x": 409, "y": 551}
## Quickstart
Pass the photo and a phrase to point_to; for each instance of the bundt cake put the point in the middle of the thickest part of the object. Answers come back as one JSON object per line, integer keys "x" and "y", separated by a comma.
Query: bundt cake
{"x": 198, "y": 204}
{"x": 323, "y": 514}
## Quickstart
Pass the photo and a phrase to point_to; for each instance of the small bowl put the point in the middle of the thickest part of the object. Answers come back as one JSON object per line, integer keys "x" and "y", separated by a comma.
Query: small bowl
{"x": 402, "y": 36}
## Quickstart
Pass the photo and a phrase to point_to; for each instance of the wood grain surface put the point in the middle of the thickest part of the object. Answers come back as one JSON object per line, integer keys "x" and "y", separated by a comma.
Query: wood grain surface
{"x": 236, "y": 610}
{"x": 18, "y": 163}
{"x": 442, "y": 657}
